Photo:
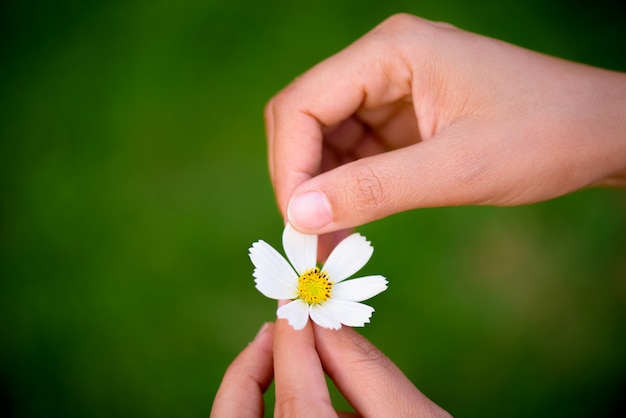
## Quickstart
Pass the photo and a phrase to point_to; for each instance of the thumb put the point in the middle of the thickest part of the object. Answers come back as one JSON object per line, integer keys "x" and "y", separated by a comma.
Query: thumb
{"x": 439, "y": 172}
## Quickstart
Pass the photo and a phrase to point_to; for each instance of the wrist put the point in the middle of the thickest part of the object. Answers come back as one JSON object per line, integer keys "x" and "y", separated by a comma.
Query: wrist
{"x": 608, "y": 103}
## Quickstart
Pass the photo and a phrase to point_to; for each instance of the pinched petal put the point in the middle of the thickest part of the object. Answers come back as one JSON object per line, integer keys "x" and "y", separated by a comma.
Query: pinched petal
{"x": 348, "y": 257}
{"x": 301, "y": 249}
{"x": 322, "y": 317}
{"x": 296, "y": 312}
{"x": 274, "y": 277}
{"x": 274, "y": 286}
{"x": 352, "y": 314}
{"x": 265, "y": 257}
{"x": 359, "y": 289}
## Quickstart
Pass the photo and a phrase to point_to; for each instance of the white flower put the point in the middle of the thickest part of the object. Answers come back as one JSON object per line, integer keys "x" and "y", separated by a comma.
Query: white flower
{"x": 321, "y": 293}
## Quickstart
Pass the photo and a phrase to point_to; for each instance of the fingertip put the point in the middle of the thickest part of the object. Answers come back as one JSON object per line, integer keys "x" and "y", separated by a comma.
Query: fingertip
{"x": 264, "y": 331}
{"x": 309, "y": 211}
{"x": 247, "y": 378}
{"x": 285, "y": 335}
{"x": 348, "y": 195}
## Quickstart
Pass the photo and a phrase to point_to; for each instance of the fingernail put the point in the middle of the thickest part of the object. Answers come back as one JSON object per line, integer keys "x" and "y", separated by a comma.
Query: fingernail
{"x": 309, "y": 210}
{"x": 261, "y": 331}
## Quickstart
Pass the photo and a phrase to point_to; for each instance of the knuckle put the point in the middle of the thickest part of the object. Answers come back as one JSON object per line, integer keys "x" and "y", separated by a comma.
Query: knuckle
{"x": 268, "y": 111}
{"x": 400, "y": 20}
{"x": 394, "y": 28}
{"x": 288, "y": 407}
{"x": 398, "y": 25}
{"x": 282, "y": 101}
{"x": 368, "y": 192}
{"x": 369, "y": 357}
{"x": 403, "y": 34}
{"x": 298, "y": 406}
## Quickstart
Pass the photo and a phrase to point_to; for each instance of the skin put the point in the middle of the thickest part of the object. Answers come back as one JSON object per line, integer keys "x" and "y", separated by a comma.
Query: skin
{"x": 415, "y": 114}
{"x": 419, "y": 114}
{"x": 297, "y": 360}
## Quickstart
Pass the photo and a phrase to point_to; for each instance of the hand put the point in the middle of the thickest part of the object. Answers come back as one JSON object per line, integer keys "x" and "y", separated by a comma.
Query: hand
{"x": 246, "y": 379}
{"x": 420, "y": 114}
{"x": 372, "y": 384}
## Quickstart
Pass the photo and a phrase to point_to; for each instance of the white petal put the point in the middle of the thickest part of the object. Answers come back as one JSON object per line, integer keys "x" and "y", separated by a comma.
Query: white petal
{"x": 359, "y": 289}
{"x": 352, "y": 314}
{"x": 348, "y": 257}
{"x": 296, "y": 312}
{"x": 274, "y": 286}
{"x": 265, "y": 257}
{"x": 322, "y": 317}
{"x": 301, "y": 249}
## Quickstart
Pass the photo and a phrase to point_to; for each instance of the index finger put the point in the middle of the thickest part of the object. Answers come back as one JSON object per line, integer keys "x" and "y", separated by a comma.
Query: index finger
{"x": 369, "y": 72}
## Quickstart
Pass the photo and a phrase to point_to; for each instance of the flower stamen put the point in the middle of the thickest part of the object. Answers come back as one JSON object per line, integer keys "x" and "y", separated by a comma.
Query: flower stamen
{"x": 314, "y": 286}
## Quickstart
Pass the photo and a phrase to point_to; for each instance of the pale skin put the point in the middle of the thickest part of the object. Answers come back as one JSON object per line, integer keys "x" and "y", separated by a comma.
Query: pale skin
{"x": 417, "y": 114}
{"x": 297, "y": 360}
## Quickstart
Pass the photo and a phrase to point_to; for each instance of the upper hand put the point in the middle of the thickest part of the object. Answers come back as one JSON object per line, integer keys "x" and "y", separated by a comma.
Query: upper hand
{"x": 420, "y": 114}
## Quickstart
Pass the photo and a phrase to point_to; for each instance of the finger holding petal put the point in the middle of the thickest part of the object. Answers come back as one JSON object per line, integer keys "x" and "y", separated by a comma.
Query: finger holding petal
{"x": 348, "y": 257}
{"x": 301, "y": 249}
{"x": 360, "y": 289}
{"x": 296, "y": 312}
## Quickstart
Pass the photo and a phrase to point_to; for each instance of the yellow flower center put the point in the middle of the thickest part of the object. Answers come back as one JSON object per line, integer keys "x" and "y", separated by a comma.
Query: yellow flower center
{"x": 314, "y": 286}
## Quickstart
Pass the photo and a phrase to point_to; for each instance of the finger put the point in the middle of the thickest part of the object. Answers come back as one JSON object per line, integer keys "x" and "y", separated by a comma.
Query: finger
{"x": 300, "y": 384}
{"x": 478, "y": 160}
{"x": 246, "y": 379}
{"x": 363, "y": 75}
{"x": 451, "y": 170}
{"x": 372, "y": 384}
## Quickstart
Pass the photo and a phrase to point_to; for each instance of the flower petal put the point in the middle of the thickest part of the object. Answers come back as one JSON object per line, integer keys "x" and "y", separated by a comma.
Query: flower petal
{"x": 265, "y": 257}
{"x": 352, "y": 314}
{"x": 301, "y": 249}
{"x": 296, "y": 312}
{"x": 274, "y": 277}
{"x": 322, "y": 317}
{"x": 274, "y": 286}
{"x": 359, "y": 289}
{"x": 348, "y": 257}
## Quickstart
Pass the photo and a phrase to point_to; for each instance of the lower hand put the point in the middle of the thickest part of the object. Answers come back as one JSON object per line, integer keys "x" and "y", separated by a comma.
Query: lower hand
{"x": 298, "y": 361}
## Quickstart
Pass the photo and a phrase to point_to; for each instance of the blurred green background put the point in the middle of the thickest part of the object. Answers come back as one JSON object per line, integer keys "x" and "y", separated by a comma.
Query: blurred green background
{"x": 133, "y": 181}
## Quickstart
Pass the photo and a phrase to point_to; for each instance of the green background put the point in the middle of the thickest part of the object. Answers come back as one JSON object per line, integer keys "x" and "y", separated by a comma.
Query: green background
{"x": 133, "y": 181}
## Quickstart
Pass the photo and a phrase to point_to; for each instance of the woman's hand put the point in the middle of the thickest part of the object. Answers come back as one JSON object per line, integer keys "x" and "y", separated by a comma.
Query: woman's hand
{"x": 368, "y": 380}
{"x": 420, "y": 114}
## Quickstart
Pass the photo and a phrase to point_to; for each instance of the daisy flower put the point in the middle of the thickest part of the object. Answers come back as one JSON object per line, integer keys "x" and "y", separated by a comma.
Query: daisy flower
{"x": 323, "y": 293}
